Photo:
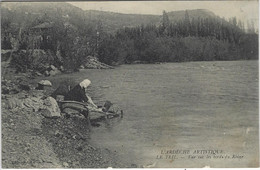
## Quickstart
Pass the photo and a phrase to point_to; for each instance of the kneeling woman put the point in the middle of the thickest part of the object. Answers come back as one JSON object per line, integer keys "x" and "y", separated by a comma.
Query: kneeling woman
{"x": 78, "y": 93}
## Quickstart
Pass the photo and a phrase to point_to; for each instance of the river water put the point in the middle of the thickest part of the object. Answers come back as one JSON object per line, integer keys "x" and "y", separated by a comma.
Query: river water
{"x": 179, "y": 106}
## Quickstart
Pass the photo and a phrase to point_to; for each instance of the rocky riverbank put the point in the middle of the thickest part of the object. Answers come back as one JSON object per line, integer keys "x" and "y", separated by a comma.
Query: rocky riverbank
{"x": 44, "y": 62}
{"x": 31, "y": 139}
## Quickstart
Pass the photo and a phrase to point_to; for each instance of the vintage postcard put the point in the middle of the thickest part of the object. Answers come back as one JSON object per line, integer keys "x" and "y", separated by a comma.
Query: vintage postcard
{"x": 130, "y": 84}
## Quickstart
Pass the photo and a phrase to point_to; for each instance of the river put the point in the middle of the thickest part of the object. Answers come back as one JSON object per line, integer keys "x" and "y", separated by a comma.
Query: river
{"x": 186, "y": 106}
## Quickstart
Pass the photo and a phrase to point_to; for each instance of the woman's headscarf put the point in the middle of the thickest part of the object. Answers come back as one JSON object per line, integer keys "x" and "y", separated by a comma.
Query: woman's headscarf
{"x": 85, "y": 83}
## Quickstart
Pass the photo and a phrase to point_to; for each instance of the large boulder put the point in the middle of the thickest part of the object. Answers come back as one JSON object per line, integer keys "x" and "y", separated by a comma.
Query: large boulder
{"x": 34, "y": 103}
{"x": 50, "y": 108}
{"x": 91, "y": 62}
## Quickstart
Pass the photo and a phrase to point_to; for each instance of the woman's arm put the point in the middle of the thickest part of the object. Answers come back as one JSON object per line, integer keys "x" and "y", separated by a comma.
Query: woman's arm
{"x": 91, "y": 102}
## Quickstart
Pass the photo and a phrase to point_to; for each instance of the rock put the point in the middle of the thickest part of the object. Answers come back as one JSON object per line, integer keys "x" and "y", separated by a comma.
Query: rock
{"x": 92, "y": 62}
{"x": 45, "y": 83}
{"x": 58, "y": 133}
{"x": 34, "y": 103}
{"x": 81, "y": 67}
{"x": 75, "y": 164}
{"x": 42, "y": 84}
{"x": 46, "y": 73}
{"x": 14, "y": 103}
{"x": 50, "y": 108}
{"x": 14, "y": 91}
{"x": 54, "y": 72}
{"x": 61, "y": 68}
{"x": 5, "y": 90}
{"x": 79, "y": 148}
{"x": 65, "y": 164}
{"x": 53, "y": 67}
{"x": 9, "y": 87}
{"x": 24, "y": 87}
{"x": 38, "y": 73}
{"x": 134, "y": 166}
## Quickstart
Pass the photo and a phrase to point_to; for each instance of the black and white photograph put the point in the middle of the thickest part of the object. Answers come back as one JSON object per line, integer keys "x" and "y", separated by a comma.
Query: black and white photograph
{"x": 129, "y": 84}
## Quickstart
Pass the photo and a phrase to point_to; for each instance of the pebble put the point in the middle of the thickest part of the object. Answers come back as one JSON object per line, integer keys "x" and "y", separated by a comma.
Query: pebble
{"x": 79, "y": 148}
{"x": 27, "y": 149}
{"x": 65, "y": 164}
{"x": 58, "y": 133}
{"x": 76, "y": 163}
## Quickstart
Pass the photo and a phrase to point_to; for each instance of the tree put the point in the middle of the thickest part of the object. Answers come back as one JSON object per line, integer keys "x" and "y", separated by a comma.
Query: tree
{"x": 187, "y": 23}
{"x": 165, "y": 20}
{"x": 164, "y": 23}
{"x": 251, "y": 27}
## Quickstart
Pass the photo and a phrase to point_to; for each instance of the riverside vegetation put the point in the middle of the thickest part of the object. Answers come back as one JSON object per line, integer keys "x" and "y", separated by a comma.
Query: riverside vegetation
{"x": 69, "y": 35}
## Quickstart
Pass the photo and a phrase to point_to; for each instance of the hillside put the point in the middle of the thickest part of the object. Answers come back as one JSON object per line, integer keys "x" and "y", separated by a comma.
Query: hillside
{"x": 196, "y": 13}
{"x": 110, "y": 21}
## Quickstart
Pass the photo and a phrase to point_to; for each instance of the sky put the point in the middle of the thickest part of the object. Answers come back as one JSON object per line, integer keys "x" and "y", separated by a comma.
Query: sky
{"x": 243, "y": 10}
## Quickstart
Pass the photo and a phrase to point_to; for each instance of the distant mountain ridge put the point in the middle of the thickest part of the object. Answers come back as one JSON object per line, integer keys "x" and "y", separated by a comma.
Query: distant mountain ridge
{"x": 194, "y": 13}
{"x": 111, "y": 21}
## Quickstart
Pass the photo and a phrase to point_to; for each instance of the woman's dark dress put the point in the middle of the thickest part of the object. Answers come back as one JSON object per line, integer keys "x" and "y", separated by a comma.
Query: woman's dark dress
{"x": 76, "y": 94}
